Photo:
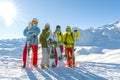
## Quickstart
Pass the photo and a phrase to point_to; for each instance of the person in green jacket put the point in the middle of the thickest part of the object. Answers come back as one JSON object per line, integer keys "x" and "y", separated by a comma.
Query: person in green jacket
{"x": 43, "y": 41}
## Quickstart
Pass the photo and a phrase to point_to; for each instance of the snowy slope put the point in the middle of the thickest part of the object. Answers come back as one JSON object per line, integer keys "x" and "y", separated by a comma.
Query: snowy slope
{"x": 11, "y": 47}
{"x": 93, "y": 68}
{"x": 97, "y": 56}
{"x": 9, "y": 71}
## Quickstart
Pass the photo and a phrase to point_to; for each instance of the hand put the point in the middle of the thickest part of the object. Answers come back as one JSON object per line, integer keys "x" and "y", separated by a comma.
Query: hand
{"x": 33, "y": 34}
{"x": 28, "y": 32}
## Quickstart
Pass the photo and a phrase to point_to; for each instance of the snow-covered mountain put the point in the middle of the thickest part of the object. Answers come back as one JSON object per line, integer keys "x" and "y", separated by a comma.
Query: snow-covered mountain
{"x": 107, "y": 36}
{"x": 103, "y": 37}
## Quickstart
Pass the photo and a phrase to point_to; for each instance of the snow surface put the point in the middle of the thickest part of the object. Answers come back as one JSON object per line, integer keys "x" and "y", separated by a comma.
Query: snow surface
{"x": 97, "y": 58}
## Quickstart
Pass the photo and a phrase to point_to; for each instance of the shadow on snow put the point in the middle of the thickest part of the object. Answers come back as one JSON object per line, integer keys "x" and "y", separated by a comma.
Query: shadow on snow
{"x": 63, "y": 73}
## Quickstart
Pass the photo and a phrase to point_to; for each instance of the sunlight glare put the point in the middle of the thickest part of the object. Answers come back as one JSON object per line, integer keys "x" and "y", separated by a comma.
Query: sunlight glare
{"x": 8, "y": 12}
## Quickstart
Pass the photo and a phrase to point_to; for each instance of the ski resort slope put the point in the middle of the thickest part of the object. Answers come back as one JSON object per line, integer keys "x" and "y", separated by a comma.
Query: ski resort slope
{"x": 10, "y": 71}
{"x": 107, "y": 56}
{"x": 88, "y": 67}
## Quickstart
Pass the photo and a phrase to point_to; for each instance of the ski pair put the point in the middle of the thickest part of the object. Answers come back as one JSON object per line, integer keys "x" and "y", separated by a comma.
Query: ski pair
{"x": 29, "y": 62}
{"x": 55, "y": 57}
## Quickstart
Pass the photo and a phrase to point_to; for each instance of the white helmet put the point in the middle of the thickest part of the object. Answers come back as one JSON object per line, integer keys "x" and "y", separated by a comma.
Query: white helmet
{"x": 47, "y": 25}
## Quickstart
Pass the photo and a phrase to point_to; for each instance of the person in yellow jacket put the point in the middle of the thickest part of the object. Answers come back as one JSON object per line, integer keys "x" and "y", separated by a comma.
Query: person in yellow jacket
{"x": 60, "y": 41}
{"x": 68, "y": 39}
{"x": 76, "y": 36}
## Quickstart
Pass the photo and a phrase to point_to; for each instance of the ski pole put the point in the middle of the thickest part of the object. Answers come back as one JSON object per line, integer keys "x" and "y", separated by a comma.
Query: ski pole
{"x": 28, "y": 51}
{"x": 31, "y": 64}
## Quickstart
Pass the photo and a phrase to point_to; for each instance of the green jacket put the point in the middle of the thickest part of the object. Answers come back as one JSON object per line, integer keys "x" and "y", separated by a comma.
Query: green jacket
{"x": 43, "y": 38}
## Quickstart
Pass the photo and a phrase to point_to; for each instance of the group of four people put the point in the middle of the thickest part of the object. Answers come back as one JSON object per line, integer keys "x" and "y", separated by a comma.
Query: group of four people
{"x": 63, "y": 42}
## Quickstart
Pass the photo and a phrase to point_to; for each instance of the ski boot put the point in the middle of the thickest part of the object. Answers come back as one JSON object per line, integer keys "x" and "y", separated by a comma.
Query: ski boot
{"x": 35, "y": 65}
{"x": 24, "y": 66}
{"x": 43, "y": 67}
{"x": 47, "y": 66}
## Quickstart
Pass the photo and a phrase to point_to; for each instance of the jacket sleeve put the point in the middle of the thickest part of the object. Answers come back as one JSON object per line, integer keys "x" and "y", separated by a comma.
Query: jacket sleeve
{"x": 36, "y": 30}
{"x": 77, "y": 34}
{"x": 40, "y": 38}
{"x": 48, "y": 34}
{"x": 26, "y": 32}
{"x": 64, "y": 35}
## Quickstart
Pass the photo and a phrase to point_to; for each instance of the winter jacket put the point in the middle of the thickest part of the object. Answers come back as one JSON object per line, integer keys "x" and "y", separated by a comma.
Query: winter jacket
{"x": 31, "y": 34}
{"x": 43, "y": 38}
{"x": 76, "y": 34}
{"x": 60, "y": 36}
{"x": 68, "y": 39}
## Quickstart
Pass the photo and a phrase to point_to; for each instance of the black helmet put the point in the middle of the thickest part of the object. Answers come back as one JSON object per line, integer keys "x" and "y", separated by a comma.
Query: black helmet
{"x": 58, "y": 27}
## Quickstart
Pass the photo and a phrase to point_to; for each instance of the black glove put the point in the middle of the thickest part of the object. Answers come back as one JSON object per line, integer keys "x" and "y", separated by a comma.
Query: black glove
{"x": 65, "y": 43}
{"x": 34, "y": 35}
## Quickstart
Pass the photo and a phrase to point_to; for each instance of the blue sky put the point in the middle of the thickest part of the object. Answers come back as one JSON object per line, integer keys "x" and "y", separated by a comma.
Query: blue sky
{"x": 76, "y": 13}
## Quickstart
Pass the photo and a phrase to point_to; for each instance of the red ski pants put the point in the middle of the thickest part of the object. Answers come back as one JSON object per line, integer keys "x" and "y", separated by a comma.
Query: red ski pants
{"x": 34, "y": 54}
{"x": 61, "y": 48}
{"x": 69, "y": 53}
{"x": 56, "y": 56}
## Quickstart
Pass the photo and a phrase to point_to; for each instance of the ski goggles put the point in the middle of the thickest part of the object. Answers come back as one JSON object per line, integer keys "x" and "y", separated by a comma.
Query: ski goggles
{"x": 34, "y": 22}
{"x": 58, "y": 29}
{"x": 68, "y": 29}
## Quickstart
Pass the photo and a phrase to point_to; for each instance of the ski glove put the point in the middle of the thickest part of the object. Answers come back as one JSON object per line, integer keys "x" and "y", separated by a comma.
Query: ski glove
{"x": 34, "y": 35}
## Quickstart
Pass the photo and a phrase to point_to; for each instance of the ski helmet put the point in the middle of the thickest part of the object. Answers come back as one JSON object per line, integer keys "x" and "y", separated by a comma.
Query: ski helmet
{"x": 68, "y": 28}
{"x": 47, "y": 25}
{"x": 35, "y": 21}
{"x": 58, "y": 27}
{"x": 75, "y": 30}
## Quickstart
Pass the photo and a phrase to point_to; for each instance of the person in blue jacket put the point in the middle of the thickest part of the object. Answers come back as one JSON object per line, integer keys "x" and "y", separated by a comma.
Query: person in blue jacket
{"x": 31, "y": 33}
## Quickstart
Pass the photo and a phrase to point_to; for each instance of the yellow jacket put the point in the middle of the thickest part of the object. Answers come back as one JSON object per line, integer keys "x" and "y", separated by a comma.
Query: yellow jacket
{"x": 76, "y": 34}
{"x": 68, "y": 39}
{"x": 60, "y": 36}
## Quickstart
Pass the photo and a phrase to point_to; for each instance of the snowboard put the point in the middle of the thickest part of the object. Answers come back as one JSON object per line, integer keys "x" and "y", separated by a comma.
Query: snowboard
{"x": 53, "y": 59}
{"x": 56, "y": 59}
{"x": 54, "y": 51}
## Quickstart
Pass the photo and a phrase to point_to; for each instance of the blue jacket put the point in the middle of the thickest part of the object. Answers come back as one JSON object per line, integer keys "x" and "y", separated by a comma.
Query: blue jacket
{"x": 31, "y": 33}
